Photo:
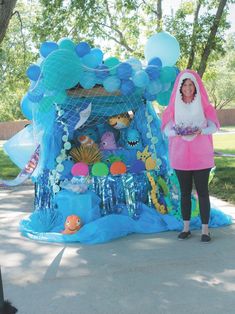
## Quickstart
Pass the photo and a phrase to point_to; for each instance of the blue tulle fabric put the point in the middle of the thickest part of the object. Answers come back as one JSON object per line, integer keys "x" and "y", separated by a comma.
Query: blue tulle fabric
{"x": 46, "y": 225}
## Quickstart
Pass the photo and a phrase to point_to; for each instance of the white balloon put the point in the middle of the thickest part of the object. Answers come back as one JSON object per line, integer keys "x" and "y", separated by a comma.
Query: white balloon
{"x": 164, "y": 46}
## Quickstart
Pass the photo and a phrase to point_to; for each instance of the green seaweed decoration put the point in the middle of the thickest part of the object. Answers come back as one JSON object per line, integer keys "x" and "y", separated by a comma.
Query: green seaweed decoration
{"x": 162, "y": 183}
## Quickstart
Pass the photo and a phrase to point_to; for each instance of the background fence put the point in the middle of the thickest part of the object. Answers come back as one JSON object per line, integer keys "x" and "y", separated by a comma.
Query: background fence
{"x": 8, "y": 129}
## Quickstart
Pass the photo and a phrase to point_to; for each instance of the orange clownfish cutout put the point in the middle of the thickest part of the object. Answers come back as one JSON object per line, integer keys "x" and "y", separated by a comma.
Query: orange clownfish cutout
{"x": 72, "y": 224}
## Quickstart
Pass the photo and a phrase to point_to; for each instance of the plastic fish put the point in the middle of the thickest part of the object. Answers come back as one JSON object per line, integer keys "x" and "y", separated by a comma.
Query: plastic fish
{"x": 108, "y": 141}
{"x": 72, "y": 224}
{"x": 120, "y": 121}
{"x": 133, "y": 140}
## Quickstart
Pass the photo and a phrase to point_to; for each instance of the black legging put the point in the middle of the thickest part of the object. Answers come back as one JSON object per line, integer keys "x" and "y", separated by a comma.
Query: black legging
{"x": 200, "y": 178}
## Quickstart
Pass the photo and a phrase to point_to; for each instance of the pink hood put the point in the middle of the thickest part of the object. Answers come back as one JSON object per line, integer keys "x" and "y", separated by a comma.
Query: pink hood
{"x": 209, "y": 110}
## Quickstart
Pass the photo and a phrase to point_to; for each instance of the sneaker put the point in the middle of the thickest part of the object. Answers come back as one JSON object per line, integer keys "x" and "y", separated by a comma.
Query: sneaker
{"x": 205, "y": 238}
{"x": 184, "y": 235}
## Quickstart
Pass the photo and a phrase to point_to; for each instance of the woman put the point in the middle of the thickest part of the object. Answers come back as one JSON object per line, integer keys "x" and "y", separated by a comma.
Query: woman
{"x": 189, "y": 121}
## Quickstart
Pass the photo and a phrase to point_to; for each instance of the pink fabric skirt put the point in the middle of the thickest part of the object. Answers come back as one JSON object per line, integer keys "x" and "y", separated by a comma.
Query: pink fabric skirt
{"x": 191, "y": 155}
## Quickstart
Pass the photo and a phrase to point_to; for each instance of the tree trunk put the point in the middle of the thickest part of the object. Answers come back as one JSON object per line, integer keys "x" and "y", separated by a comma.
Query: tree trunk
{"x": 6, "y": 9}
{"x": 159, "y": 15}
{"x": 210, "y": 41}
{"x": 193, "y": 38}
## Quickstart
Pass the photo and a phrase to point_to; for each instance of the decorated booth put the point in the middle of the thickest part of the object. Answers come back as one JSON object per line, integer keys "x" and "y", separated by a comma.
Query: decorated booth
{"x": 94, "y": 149}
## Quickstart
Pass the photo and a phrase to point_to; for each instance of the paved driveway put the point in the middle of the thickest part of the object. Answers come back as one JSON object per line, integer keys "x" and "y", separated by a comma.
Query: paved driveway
{"x": 143, "y": 274}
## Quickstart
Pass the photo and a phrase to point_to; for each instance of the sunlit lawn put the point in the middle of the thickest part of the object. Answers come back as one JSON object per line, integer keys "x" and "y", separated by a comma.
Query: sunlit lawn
{"x": 224, "y": 143}
{"x": 223, "y": 184}
{"x": 8, "y": 170}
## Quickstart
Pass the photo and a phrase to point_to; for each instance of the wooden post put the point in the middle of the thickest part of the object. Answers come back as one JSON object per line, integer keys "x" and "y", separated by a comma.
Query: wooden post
{"x": 5, "y": 306}
{"x": 1, "y": 291}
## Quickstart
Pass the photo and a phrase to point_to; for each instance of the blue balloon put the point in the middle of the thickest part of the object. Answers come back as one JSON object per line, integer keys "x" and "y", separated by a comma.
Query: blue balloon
{"x": 135, "y": 64}
{"x": 166, "y": 87}
{"x": 66, "y": 43}
{"x": 102, "y": 72}
{"x": 154, "y": 87}
{"x": 164, "y": 46}
{"x": 149, "y": 96}
{"x": 27, "y": 107}
{"x": 177, "y": 70}
{"x": 35, "y": 96}
{"x": 36, "y": 91}
{"x": 47, "y": 47}
{"x": 164, "y": 98}
{"x": 167, "y": 74}
{"x": 88, "y": 80}
{"x": 153, "y": 72}
{"x": 124, "y": 71}
{"x": 98, "y": 54}
{"x": 140, "y": 78}
{"x": 90, "y": 61}
{"x": 127, "y": 87}
{"x": 33, "y": 72}
{"x": 61, "y": 70}
{"x": 112, "y": 63}
{"x": 156, "y": 62}
{"x": 82, "y": 49}
{"x": 112, "y": 84}
{"x": 99, "y": 81}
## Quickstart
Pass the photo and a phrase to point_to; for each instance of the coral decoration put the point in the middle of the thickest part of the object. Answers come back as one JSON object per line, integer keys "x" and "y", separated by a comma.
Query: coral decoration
{"x": 118, "y": 167}
{"x": 72, "y": 224}
{"x": 86, "y": 154}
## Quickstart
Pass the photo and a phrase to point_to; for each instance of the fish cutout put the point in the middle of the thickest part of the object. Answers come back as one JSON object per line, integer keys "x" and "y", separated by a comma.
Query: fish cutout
{"x": 84, "y": 115}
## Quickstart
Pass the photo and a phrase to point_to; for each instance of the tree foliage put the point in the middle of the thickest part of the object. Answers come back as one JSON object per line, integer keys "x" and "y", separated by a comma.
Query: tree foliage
{"x": 220, "y": 78}
{"x": 15, "y": 56}
{"x": 200, "y": 32}
{"x": 120, "y": 27}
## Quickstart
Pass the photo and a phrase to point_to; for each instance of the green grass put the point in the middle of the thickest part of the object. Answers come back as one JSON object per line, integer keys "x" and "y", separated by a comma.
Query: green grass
{"x": 224, "y": 143}
{"x": 8, "y": 170}
{"x": 223, "y": 183}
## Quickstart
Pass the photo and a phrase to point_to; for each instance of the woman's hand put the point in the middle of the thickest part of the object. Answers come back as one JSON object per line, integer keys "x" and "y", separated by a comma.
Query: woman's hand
{"x": 198, "y": 132}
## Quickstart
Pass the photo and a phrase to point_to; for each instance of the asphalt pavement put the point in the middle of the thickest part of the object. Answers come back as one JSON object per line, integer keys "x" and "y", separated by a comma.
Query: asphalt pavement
{"x": 139, "y": 274}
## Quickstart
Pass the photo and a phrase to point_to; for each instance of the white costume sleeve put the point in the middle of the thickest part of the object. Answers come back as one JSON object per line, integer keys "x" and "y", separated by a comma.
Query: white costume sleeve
{"x": 210, "y": 129}
{"x": 168, "y": 131}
